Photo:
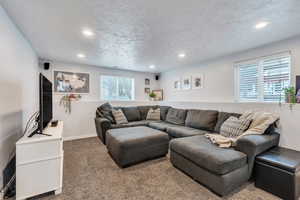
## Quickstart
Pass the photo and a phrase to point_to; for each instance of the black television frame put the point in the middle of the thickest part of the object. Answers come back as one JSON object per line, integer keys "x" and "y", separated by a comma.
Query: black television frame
{"x": 42, "y": 123}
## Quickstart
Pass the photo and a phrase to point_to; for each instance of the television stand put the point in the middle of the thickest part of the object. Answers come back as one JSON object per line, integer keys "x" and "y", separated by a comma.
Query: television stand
{"x": 39, "y": 163}
{"x": 37, "y": 132}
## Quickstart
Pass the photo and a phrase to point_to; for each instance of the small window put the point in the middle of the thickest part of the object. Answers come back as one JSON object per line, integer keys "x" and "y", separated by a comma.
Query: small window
{"x": 114, "y": 88}
{"x": 263, "y": 80}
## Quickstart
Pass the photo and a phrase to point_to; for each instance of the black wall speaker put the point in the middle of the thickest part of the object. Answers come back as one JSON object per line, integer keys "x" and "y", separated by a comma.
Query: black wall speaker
{"x": 157, "y": 77}
{"x": 46, "y": 66}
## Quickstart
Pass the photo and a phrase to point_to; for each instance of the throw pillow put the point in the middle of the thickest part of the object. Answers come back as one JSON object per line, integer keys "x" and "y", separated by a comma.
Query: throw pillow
{"x": 153, "y": 114}
{"x": 119, "y": 116}
{"x": 176, "y": 116}
{"x": 260, "y": 122}
{"x": 234, "y": 127}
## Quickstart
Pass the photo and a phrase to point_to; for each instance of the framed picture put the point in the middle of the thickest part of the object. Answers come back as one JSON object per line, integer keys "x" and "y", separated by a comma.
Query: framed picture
{"x": 159, "y": 95}
{"x": 197, "y": 81}
{"x": 147, "y": 90}
{"x": 147, "y": 81}
{"x": 71, "y": 82}
{"x": 186, "y": 83}
{"x": 177, "y": 85}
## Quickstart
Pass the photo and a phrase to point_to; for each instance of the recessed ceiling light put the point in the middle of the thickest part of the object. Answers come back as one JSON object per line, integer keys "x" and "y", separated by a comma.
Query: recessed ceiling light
{"x": 152, "y": 66}
{"x": 181, "y": 55}
{"x": 88, "y": 32}
{"x": 80, "y": 55}
{"x": 261, "y": 25}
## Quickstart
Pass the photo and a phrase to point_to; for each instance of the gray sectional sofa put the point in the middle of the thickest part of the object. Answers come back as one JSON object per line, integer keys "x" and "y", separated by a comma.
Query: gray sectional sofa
{"x": 220, "y": 169}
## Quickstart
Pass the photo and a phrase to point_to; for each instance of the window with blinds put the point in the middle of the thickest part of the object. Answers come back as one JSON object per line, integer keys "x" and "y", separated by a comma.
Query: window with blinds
{"x": 263, "y": 80}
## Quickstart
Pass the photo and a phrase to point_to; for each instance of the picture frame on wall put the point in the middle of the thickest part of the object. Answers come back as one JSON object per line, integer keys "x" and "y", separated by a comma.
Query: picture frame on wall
{"x": 71, "y": 82}
{"x": 147, "y": 81}
{"x": 197, "y": 81}
{"x": 159, "y": 95}
{"x": 147, "y": 90}
{"x": 177, "y": 85}
{"x": 186, "y": 83}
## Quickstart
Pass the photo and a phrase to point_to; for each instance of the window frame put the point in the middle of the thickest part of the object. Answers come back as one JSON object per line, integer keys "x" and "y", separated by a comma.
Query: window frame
{"x": 118, "y": 76}
{"x": 259, "y": 61}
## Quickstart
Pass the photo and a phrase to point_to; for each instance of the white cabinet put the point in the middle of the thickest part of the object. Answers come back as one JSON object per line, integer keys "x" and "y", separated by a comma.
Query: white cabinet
{"x": 39, "y": 163}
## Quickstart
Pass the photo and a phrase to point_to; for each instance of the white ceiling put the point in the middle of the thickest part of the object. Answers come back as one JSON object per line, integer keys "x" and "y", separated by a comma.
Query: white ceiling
{"x": 133, "y": 34}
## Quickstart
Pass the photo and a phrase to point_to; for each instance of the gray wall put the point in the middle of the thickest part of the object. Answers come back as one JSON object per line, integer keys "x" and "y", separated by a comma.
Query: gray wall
{"x": 18, "y": 86}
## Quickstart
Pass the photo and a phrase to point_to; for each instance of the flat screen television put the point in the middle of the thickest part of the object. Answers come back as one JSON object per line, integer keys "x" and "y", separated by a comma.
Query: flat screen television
{"x": 45, "y": 110}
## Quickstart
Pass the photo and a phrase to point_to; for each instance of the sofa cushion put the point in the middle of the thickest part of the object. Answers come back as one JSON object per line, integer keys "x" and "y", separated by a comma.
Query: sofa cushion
{"x": 144, "y": 110}
{"x": 162, "y": 126}
{"x": 199, "y": 150}
{"x": 176, "y": 116}
{"x": 202, "y": 119}
{"x": 119, "y": 116}
{"x": 153, "y": 114}
{"x": 164, "y": 112}
{"x": 105, "y": 111}
{"x": 183, "y": 131}
{"x": 131, "y": 124}
{"x": 132, "y": 113}
{"x": 222, "y": 117}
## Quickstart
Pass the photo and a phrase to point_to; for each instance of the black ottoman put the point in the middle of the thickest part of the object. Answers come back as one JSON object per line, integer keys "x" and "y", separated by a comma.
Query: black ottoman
{"x": 278, "y": 172}
{"x": 128, "y": 146}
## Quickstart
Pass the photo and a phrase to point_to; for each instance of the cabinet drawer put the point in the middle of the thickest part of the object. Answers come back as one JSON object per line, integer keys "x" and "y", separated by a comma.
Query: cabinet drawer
{"x": 33, "y": 152}
{"x": 38, "y": 178}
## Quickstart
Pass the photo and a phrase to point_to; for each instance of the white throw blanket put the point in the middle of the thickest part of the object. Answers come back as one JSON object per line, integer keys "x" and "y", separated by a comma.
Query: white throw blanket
{"x": 260, "y": 122}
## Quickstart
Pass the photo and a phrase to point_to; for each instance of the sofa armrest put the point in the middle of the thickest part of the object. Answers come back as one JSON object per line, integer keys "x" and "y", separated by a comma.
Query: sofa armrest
{"x": 253, "y": 145}
{"x": 102, "y": 125}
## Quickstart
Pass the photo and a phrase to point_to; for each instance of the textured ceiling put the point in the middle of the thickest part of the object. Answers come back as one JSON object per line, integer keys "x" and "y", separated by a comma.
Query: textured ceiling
{"x": 133, "y": 34}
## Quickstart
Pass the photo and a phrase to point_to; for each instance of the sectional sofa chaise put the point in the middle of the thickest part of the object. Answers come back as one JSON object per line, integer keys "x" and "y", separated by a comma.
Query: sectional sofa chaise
{"x": 220, "y": 169}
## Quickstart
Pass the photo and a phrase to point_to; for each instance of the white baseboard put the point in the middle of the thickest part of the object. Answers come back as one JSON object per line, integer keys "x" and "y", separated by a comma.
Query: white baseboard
{"x": 77, "y": 137}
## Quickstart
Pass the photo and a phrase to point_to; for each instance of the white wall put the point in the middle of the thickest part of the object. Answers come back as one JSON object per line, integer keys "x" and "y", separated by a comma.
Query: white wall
{"x": 218, "y": 91}
{"x": 18, "y": 86}
{"x": 219, "y": 73}
{"x": 80, "y": 123}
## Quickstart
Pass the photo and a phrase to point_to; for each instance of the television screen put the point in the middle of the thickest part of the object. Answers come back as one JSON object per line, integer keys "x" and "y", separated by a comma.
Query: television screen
{"x": 45, "y": 102}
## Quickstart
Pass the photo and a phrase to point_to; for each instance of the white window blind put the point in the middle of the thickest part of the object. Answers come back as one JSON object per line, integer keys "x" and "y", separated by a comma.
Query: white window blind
{"x": 117, "y": 88}
{"x": 263, "y": 80}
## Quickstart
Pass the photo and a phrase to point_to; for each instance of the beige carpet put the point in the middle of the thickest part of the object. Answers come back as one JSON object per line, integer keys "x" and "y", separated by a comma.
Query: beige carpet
{"x": 91, "y": 174}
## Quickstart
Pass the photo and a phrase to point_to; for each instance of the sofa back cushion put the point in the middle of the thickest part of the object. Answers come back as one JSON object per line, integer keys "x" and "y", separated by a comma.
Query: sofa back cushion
{"x": 163, "y": 112}
{"x": 176, "y": 116}
{"x": 202, "y": 119}
{"x": 222, "y": 117}
{"x": 105, "y": 111}
{"x": 144, "y": 110}
{"x": 131, "y": 113}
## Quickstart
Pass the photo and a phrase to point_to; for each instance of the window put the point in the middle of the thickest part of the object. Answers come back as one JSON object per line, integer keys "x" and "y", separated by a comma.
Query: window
{"x": 263, "y": 80}
{"x": 117, "y": 88}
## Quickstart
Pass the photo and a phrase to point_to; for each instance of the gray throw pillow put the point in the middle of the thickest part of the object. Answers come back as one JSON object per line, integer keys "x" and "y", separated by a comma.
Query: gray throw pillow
{"x": 202, "y": 119}
{"x": 222, "y": 117}
{"x": 119, "y": 116}
{"x": 176, "y": 116}
{"x": 153, "y": 114}
{"x": 234, "y": 127}
{"x": 144, "y": 111}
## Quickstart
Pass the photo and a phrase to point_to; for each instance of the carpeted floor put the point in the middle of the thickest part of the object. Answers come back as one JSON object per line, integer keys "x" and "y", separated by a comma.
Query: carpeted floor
{"x": 91, "y": 174}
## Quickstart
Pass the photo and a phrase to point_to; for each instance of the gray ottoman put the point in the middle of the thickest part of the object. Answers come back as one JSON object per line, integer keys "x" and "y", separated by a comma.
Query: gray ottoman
{"x": 128, "y": 146}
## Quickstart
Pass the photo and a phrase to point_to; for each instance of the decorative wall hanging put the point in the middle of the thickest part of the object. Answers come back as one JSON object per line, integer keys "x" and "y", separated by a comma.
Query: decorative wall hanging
{"x": 147, "y": 81}
{"x": 186, "y": 83}
{"x": 197, "y": 81}
{"x": 71, "y": 82}
{"x": 177, "y": 84}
